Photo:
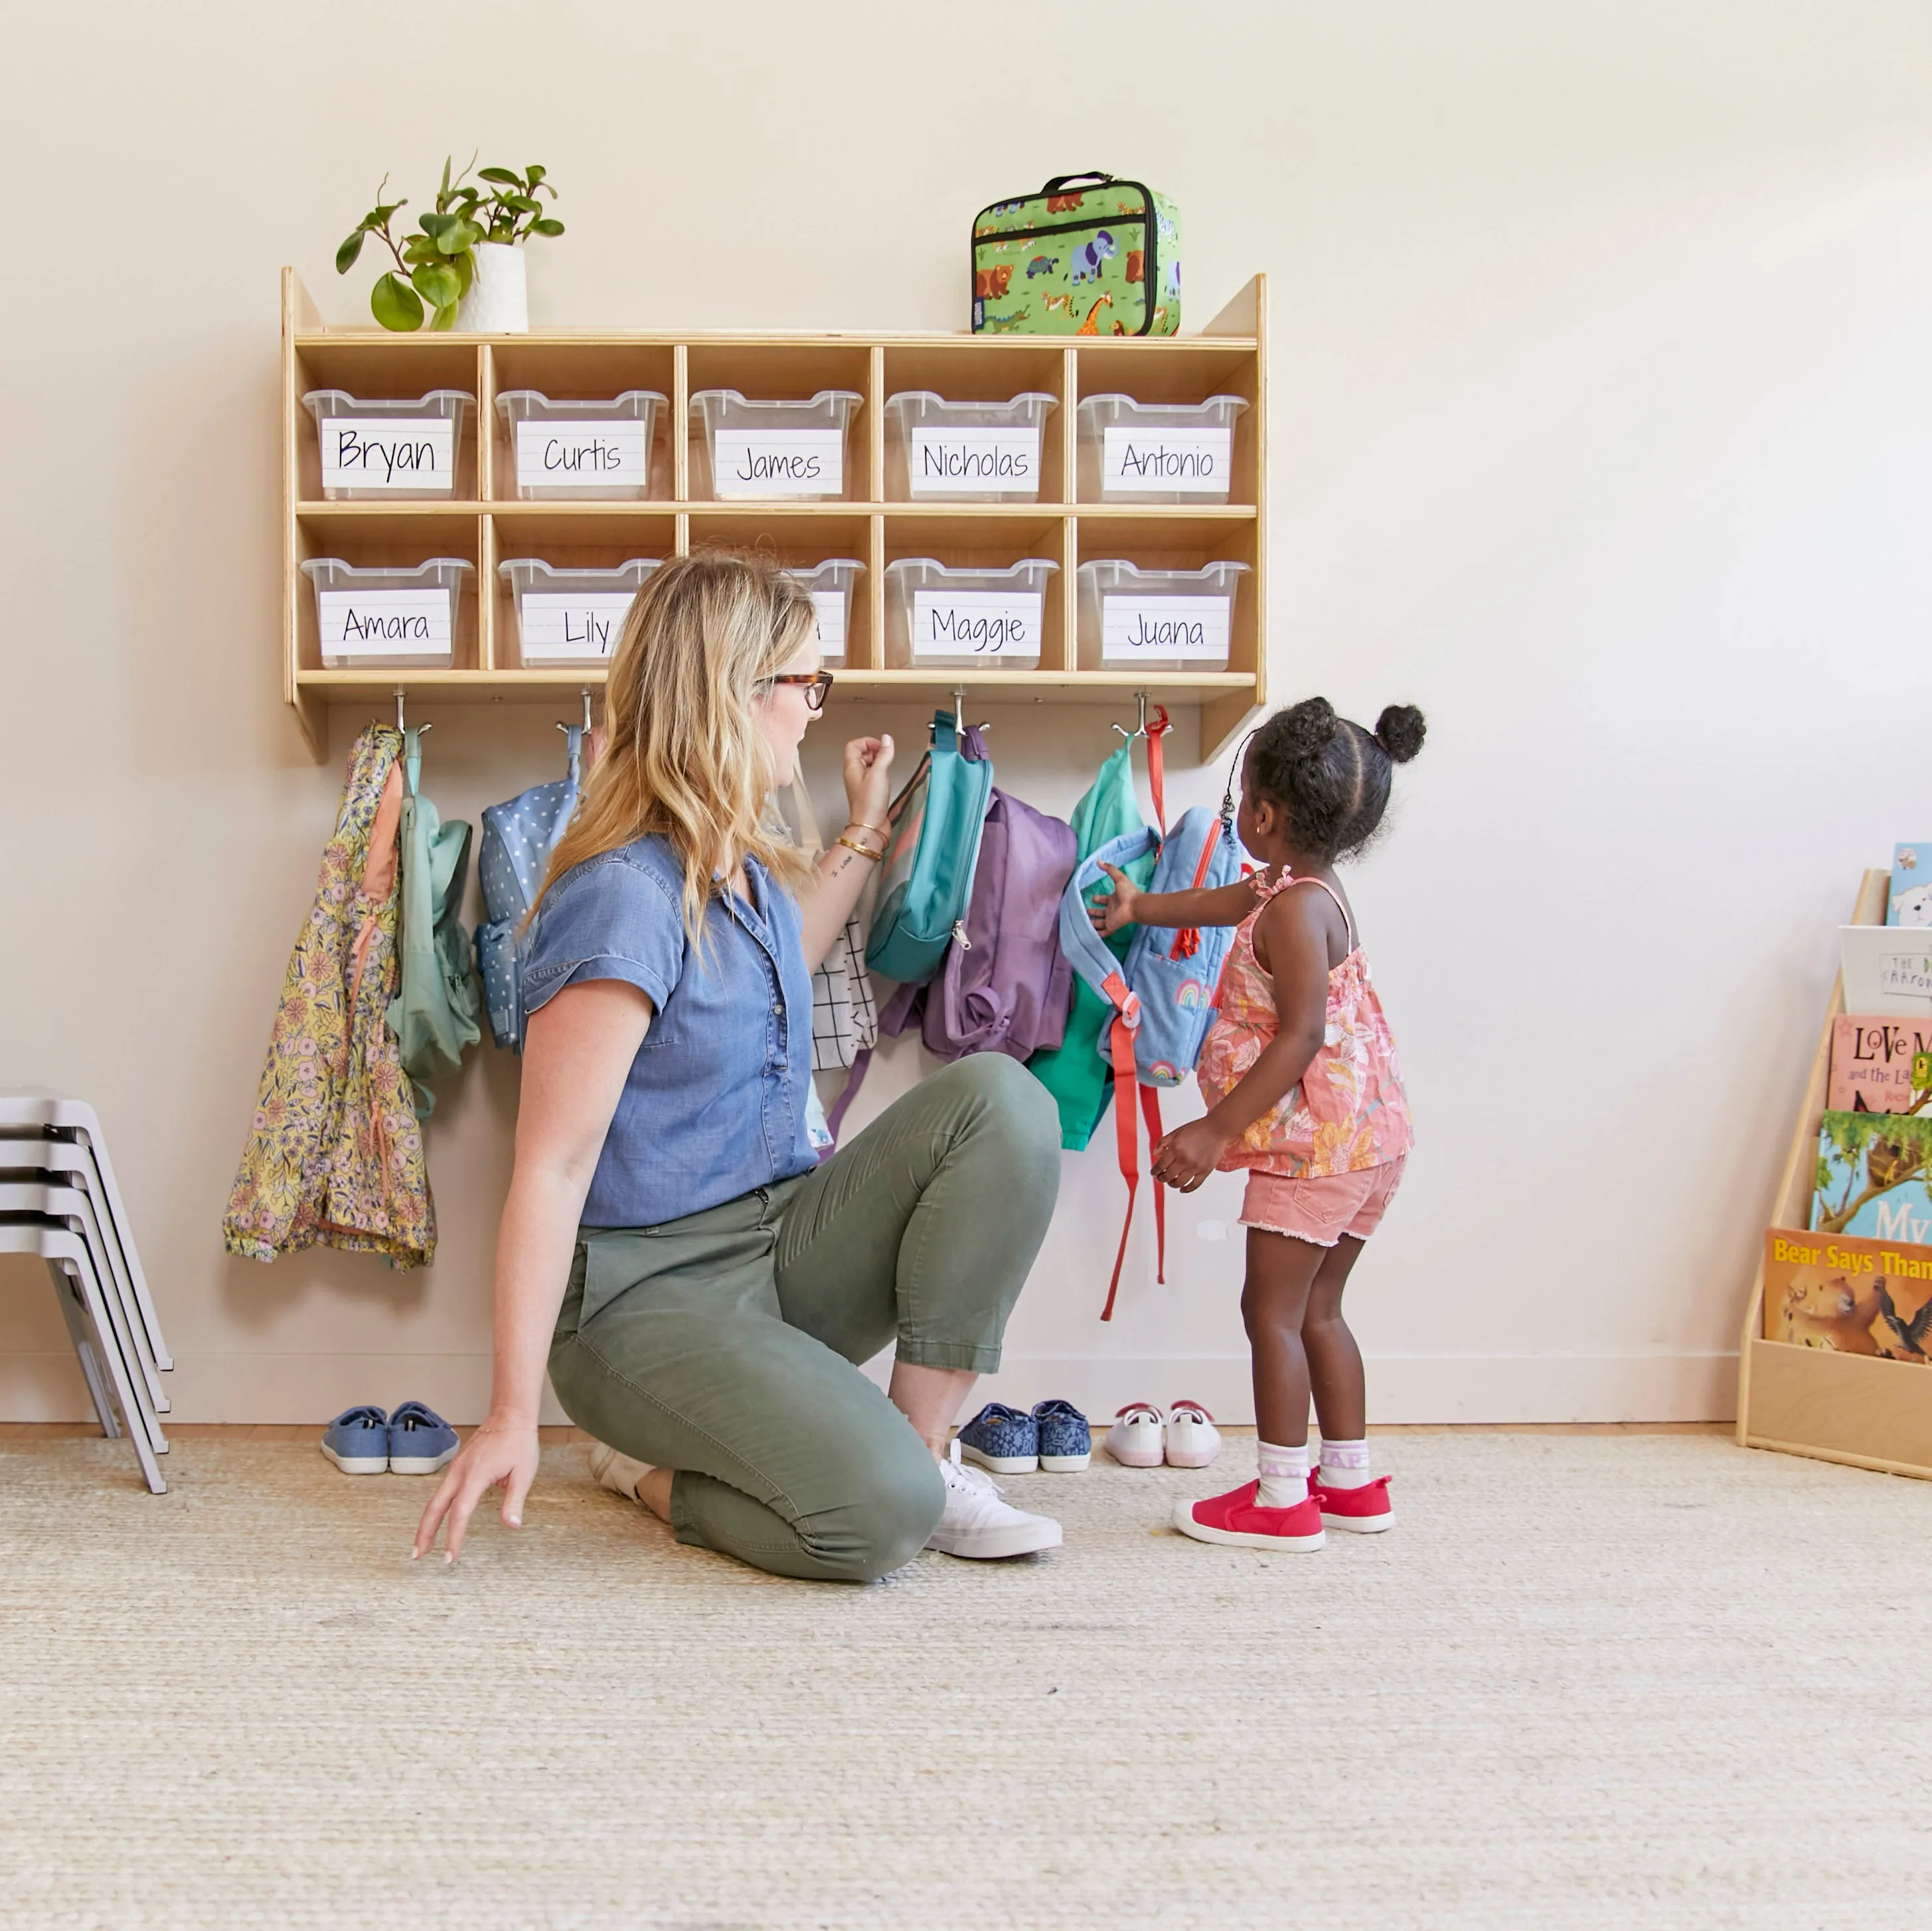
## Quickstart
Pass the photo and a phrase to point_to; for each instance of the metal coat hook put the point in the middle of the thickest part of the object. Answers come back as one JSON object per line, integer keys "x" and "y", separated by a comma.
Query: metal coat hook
{"x": 958, "y": 716}
{"x": 1140, "y": 730}
{"x": 585, "y": 695}
{"x": 420, "y": 729}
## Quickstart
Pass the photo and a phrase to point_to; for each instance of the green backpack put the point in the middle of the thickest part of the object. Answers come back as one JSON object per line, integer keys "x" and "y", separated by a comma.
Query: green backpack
{"x": 1102, "y": 258}
{"x": 927, "y": 876}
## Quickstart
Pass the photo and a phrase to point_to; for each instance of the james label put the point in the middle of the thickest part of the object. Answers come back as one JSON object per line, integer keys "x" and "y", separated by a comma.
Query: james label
{"x": 1135, "y": 627}
{"x": 778, "y": 462}
{"x": 557, "y": 625}
{"x": 577, "y": 455}
{"x": 962, "y": 462}
{"x": 415, "y": 453}
{"x": 975, "y": 623}
{"x": 1192, "y": 461}
{"x": 384, "y": 623}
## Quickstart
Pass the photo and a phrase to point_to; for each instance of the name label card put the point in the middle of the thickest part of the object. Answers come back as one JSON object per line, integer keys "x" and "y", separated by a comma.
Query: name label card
{"x": 778, "y": 462}
{"x": 417, "y": 453}
{"x": 577, "y": 453}
{"x": 577, "y": 625}
{"x": 1138, "y": 627}
{"x": 947, "y": 462}
{"x": 384, "y": 623}
{"x": 1196, "y": 461}
{"x": 830, "y": 606}
{"x": 975, "y": 623}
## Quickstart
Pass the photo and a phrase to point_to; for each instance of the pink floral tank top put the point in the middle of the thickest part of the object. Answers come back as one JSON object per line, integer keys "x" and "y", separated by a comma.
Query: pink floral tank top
{"x": 1349, "y": 1111}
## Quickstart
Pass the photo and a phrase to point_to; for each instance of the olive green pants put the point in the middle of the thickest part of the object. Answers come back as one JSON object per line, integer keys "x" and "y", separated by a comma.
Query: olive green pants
{"x": 724, "y": 1345}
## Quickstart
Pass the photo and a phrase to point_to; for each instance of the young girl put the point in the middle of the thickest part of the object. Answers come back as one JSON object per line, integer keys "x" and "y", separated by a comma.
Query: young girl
{"x": 1300, "y": 1072}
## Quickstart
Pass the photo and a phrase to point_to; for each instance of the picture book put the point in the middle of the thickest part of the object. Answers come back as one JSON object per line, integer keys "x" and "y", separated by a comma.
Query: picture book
{"x": 1910, "y": 902}
{"x": 1855, "y": 1297}
{"x": 1888, "y": 969}
{"x": 1880, "y": 1065}
{"x": 1873, "y": 1172}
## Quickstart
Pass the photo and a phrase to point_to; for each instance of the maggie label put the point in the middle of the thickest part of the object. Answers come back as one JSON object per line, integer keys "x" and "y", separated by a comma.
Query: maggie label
{"x": 975, "y": 623}
{"x": 413, "y": 455}
{"x": 1147, "y": 462}
{"x": 560, "y": 627}
{"x": 778, "y": 463}
{"x": 384, "y": 623}
{"x": 582, "y": 455}
{"x": 972, "y": 462}
{"x": 1133, "y": 628}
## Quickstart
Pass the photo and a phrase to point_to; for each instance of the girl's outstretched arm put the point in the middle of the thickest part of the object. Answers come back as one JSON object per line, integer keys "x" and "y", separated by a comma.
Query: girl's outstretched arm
{"x": 1126, "y": 904}
{"x": 1291, "y": 939}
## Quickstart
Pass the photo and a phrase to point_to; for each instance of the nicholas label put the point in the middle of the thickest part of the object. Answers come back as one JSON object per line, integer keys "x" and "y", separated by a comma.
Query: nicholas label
{"x": 975, "y": 623}
{"x": 1194, "y": 461}
{"x": 384, "y": 623}
{"x": 579, "y": 454}
{"x": 778, "y": 462}
{"x": 960, "y": 462}
{"x": 414, "y": 453}
{"x": 559, "y": 624}
{"x": 1194, "y": 628}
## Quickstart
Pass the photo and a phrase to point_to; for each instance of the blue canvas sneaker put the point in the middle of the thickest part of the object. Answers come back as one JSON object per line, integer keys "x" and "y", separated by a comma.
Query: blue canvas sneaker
{"x": 420, "y": 1440}
{"x": 1003, "y": 1439}
{"x": 358, "y": 1441}
{"x": 1065, "y": 1441}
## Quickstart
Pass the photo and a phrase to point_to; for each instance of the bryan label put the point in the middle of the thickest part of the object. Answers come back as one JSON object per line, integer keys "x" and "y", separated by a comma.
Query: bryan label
{"x": 416, "y": 454}
{"x": 830, "y": 607}
{"x": 581, "y": 455}
{"x": 963, "y": 462}
{"x": 558, "y": 625}
{"x": 778, "y": 462}
{"x": 384, "y": 623}
{"x": 1134, "y": 628}
{"x": 975, "y": 623}
{"x": 1195, "y": 462}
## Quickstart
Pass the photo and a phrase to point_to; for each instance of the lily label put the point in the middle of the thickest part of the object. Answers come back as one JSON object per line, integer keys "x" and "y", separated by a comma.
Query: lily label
{"x": 975, "y": 623}
{"x": 778, "y": 462}
{"x": 1189, "y": 462}
{"x": 384, "y": 623}
{"x": 583, "y": 455}
{"x": 830, "y": 606}
{"x": 560, "y": 627}
{"x": 1134, "y": 628}
{"x": 413, "y": 455}
{"x": 970, "y": 462}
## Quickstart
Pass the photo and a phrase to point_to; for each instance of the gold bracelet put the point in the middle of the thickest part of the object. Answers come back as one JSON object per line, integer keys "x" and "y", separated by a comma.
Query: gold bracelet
{"x": 878, "y": 830}
{"x": 864, "y": 851}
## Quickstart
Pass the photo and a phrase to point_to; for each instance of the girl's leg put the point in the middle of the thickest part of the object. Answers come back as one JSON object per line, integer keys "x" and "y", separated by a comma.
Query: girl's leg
{"x": 1282, "y": 1270}
{"x": 1334, "y": 1362}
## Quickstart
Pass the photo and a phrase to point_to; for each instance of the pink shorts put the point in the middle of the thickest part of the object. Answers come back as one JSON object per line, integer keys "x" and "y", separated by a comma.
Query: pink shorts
{"x": 1320, "y": 1208}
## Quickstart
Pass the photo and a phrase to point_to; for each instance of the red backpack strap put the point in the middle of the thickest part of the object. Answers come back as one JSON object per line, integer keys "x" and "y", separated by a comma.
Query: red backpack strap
{"x": 1157, "y": 764}
{"x": 1120, "y": 1048}
{"x": 1150, "y": 1111}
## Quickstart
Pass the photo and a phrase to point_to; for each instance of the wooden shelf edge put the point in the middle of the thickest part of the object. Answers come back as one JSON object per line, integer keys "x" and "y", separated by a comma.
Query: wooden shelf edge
{"x": 425, "y": 507}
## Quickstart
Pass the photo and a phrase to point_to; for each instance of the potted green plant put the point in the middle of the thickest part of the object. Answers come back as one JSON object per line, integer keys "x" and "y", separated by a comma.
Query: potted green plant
{"x": 464, "y": 267}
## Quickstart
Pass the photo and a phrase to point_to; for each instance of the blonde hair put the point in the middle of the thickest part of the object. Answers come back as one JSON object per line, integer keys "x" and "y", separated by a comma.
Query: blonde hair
{"x": 684, "y": 755}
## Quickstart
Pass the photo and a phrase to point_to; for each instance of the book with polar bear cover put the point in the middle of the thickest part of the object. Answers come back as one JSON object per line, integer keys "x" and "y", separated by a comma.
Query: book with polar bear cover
{"x": 1910, "y": 901}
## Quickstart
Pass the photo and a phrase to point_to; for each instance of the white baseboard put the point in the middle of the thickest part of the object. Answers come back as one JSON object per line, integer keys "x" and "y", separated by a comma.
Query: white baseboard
{"x": 312, "y": 1388}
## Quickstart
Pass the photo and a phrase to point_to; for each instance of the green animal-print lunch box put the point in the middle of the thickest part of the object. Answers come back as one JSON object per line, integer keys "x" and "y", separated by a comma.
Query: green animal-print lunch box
{"x": 1087, "y": 255}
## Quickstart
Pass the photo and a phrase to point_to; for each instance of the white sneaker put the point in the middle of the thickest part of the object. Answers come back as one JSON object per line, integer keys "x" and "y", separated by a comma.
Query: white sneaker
{"x": 1135, "y": 1439}
{"x": 617, "y": 1473}
{"x": 1192, "y": 1440}
{"x": 978, "y": 1525}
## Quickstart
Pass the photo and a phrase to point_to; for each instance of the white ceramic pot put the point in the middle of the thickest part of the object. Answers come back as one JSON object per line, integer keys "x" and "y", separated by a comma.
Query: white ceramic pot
{"x": 498, "y": 301}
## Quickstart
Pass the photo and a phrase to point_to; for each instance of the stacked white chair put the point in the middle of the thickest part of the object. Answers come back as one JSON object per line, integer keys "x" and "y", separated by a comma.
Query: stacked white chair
{"x": 58, "y": 1200}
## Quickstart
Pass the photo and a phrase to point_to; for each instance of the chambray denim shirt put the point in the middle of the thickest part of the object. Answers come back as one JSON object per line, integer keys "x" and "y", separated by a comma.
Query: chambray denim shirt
{"x": 714, "y": 1105}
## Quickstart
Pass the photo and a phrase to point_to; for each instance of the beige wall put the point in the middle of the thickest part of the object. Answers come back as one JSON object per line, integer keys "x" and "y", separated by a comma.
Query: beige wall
{"x": 1602, "y": 404}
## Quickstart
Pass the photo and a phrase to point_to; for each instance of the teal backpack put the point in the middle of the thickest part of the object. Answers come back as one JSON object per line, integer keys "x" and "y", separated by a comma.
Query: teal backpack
{"x": 933, "y": 851}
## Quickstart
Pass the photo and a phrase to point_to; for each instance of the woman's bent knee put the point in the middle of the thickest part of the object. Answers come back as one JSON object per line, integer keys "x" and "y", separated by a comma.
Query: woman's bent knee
{"x": 883, "y": 1526}
{"x": 1021, "y": 1112}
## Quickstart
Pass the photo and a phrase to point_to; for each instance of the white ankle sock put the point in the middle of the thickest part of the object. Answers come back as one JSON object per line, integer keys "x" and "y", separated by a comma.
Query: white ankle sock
{"x": 1284, "y": 1475}
{"x": 1345, "y": 1465}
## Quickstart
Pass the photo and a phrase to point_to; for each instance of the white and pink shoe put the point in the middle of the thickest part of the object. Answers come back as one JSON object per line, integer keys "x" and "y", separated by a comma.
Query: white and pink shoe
{"x": 1238, "y": 1519}
{"x": 1193, "y": 1441}
{"x": 1366, "y": 1510}
{"x": 1137, "y": 1438}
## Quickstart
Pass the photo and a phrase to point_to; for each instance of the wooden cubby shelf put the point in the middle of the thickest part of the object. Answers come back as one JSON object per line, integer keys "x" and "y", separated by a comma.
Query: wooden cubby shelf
{"x": 488, "y": 523}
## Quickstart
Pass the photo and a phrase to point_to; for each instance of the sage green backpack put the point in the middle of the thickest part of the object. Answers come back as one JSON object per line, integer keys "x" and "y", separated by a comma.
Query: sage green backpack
{"x": 1100, "y": 258}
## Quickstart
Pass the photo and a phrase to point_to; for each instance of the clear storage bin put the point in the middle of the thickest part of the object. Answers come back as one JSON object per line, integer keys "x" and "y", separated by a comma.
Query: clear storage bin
{"x": 577, "y": 452}
{"x": 1156, "y": 452}
{"x": 938, "y": 617}
{"x": 383, "y": 450}
{"x": 571, "y": 616}
{"x": 1136, "y": 619}
{"x": 794, "y": 450}
{"x": 387, "y": 615}
{"x": 831, "y": 586}
{"x": 968, "y": 452}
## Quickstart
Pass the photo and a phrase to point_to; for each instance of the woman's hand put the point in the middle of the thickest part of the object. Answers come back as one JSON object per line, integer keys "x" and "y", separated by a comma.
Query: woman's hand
{"x": 1110, "y": 914}
{"x": 869, "y": 780}
{"x": 503, "y": 1453}
{"x": 1187, "y": 1156}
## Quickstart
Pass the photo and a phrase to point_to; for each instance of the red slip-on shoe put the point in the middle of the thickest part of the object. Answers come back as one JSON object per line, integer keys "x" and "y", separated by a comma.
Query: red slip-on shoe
{"x": 1235, "y": 1517}
{"x": 1363, "y": 1511}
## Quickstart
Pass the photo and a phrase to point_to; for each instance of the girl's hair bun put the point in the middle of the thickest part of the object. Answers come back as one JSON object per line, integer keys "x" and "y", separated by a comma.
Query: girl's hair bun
{"x": 1307, "y": 729}
{"x": 1399, "y": 731}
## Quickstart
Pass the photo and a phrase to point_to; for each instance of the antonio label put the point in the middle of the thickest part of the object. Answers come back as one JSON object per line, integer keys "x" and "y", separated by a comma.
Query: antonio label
{"x": 416, "y": 454}
{"x": 560, "y": 626}
{"x": 975, "y": 623}
{"x": 577, "y": 455}
{"x": 778, "y": 462}
{"x": 1194, "y": 462}
{"x": 1134, "y": 628}
{"x": 970, "y": 462}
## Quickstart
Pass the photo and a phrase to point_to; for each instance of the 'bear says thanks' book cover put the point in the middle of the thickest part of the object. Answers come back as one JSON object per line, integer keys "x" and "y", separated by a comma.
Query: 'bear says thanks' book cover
{"x": 1872, "y": 1297}
{"x": 1873, "y": 1170}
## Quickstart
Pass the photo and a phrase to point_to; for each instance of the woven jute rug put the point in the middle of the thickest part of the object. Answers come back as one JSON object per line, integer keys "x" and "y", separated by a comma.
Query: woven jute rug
{"x": 1645, "y": 1680}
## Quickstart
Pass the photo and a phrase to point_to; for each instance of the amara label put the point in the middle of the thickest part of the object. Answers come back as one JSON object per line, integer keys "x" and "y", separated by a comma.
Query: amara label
{"x": 556, "y": 624}
{"x": 942, "y": 462}
{"x": 1189, "y": 627}
{"x": 1193, "y": 461}
{"x": 367, "y": 452}
{"x": 778, "y": 462}
{"x": 975, "y": 623}
{"x": 579, "y": 453}
{"x": 384, "y": 623}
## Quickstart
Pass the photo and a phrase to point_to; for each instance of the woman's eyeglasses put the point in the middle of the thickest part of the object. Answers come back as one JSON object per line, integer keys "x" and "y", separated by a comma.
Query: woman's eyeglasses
{"x": 817, "y": 685}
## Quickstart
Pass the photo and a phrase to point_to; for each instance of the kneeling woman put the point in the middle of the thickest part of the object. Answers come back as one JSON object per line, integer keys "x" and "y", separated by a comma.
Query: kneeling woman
{"x": 701, "y": 1289}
